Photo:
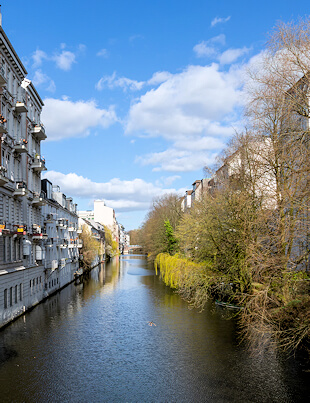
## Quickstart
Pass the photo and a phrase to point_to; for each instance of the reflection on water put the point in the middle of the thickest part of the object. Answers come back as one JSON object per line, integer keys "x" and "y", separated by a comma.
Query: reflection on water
{"x": 92, "y": 342}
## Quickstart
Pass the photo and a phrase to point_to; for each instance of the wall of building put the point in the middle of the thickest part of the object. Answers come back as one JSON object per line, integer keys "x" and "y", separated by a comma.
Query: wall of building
{"x": 30, "y": 268}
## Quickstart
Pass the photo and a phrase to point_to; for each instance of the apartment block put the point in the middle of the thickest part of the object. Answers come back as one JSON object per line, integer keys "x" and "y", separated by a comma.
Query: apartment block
{"x": 39, "y": 245}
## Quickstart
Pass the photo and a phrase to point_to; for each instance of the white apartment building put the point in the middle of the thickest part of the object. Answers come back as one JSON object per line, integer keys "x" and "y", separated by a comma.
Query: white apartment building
{"x": 26, "y": 274}
{"x": 104, "y": 215}
{"x": 61, "y": 244}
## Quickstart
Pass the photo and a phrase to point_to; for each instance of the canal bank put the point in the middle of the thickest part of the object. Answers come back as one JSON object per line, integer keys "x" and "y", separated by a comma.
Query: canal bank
{"x": 93, "y": 342}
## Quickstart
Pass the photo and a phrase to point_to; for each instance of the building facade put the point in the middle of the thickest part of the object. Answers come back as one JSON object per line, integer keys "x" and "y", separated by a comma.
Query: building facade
{"x": 31, "y": 267}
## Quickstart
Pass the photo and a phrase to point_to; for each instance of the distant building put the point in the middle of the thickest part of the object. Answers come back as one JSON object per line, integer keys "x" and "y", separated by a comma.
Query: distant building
{"x": 106, "y": 216}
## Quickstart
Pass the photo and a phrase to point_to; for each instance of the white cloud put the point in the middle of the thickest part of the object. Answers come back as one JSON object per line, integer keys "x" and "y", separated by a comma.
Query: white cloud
{"x": 159, "y": 77}
{"x": 195, "y": 110}
{"x": 132, "y": 38}
{"x": 202, "y": 49}
{"x": 119, "y": 194}
{"x": 205, "y": 143}
{"x": 231, "y": 55}
{"x": 103, "y": 53}
{"x": 113, "y": 81}
{"x": 218, "y": 20}
{"x": 64, "y": 60}
{"x": 74, "y": 119}
{"x": 82, "y": 48}
{"x": 38, "y": 57}
{"x": 40, "y": 79}
{"x": 209, "y": 48}
{"x": 170, "y": 179}
{"x": 188, "y": 103}
{"x": 173, "y": 160}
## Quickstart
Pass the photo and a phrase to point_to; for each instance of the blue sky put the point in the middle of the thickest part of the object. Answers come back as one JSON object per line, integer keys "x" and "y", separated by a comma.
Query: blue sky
{"x": 139, "y": 96}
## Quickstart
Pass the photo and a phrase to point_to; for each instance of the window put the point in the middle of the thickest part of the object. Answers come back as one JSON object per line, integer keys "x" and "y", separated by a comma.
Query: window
{"x": 20, "y": 291}
{"x": 5, "y": 294}
{"x": 4, "y": 249}
{"x": 11, "y": 296}
{"x": 9, "y": 257}
{"x": 16, "y": 294}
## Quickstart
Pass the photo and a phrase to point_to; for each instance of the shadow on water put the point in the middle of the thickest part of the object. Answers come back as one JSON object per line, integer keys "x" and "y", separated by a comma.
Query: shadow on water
{"x": 93, "y": 342}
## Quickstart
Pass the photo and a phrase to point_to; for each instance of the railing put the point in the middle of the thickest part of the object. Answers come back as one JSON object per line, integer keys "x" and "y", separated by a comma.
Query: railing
{"x": 2, "y": 71}
{"x": 41, "y": 195}
{"x": 36, "y": 229}
{"x": 20, "y": 184}
{"x": 21, "y": 142}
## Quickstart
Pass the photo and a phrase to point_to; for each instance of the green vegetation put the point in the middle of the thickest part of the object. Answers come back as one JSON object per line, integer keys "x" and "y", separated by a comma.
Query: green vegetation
{"x": 90, "y": 249}
{"x": 171, "y": 241}
{"x": 111, "y": 247}
{"x": 153, "y": 232}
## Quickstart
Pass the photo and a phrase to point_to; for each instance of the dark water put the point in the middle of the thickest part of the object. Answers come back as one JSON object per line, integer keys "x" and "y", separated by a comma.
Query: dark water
{"x": 92, "y": 343}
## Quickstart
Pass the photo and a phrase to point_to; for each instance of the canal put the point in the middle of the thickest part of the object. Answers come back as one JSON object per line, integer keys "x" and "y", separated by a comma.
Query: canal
{"x": 92, "y": 342}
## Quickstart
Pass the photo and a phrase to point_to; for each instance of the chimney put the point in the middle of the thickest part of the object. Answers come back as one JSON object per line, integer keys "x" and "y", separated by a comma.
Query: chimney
{"x": 0, "y": 17}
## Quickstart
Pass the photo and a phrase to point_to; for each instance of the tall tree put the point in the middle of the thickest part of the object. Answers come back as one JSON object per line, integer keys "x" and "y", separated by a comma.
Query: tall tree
{"x": 153, "y": 232}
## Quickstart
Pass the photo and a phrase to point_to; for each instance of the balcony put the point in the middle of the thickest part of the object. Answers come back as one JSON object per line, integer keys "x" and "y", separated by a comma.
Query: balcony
{"x": 62, "y": 223}
{"x": 2, "y": 127}
{"x": 38, "y": 132}
{"x": 39, "y": 237}
{"x": 51, "y": 264}
{"x": 39, "y": 164}
{"x": 4, "y": 230}
{"x": 20, "y": 107}
{"x": 3, "y": 179}
{"x": 2, "y": 77}
{"x": 62, "y": 262}
{"x": 20, "y": 230}
{"x": 62, "y": 243}
{"x": 49, "y": 243}
{"x": 21, "y": 189}
{"x": 39, "y": 199}
{"x": 49, "y": 219}
{"x": 21, "y": 146}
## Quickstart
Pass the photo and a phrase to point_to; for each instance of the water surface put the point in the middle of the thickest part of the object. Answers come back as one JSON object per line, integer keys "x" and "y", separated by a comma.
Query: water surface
{"x": 93, "y": 342}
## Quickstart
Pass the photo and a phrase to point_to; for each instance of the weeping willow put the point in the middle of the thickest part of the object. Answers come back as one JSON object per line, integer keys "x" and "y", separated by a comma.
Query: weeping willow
{"x": 195, "y": 282}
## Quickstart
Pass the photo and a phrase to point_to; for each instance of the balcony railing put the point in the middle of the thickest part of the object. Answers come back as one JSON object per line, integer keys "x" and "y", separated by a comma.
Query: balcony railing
{"x": 49, "y": 242}
{"x": 38, "y": 164}
{"x": 39, "y": 199}
{"x": 21, "y": 188}
{"x": 20, "y": 229}
{"x": 39, "y": 237}
{"x": 3, "y": 124}
{"x": 51, "y": 264}
{"x": 62, "y": 223}
{"x": 21, "y": 146}
{"x": 38, "y": 132}
{"x": 3, "y": 179}
{"x": 20, "y": 107}
{"x": 2, "y": 77}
